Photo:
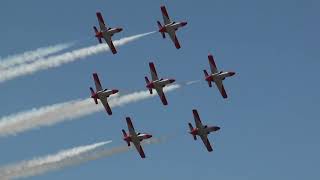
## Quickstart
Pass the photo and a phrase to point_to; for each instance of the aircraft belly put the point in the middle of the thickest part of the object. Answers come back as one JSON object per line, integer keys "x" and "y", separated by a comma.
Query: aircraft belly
{"x": 175, "y": 26}
{"x": 107, "y": 93}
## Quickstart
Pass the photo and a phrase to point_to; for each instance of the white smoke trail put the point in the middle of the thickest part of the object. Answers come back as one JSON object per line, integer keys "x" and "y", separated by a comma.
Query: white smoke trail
{"x": 44, "y": 164}
{"x": 33, "y": 55}
{"x": 58, "y": 60}
{"x": 192, "y": 82}
{"x": 53, "y": 114}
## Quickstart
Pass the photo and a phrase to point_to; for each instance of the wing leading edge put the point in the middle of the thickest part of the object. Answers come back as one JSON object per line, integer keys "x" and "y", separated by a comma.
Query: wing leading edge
{"x": 162, "y": 96}
{"x": 97, "y": 82}
{"x": 173, "y": 37}
{"x": 140, "y": 150}
{"x": 197, "y": 119}
{"x": 165, "y": 15}
{"x": 110, "y": 44}
{"x": 206, "y": 142}
{"x": 220, "y": 86}
{"x": 153, "y": 72}
{"x": 104, "y": 101}
{"x": 101, "y": 21}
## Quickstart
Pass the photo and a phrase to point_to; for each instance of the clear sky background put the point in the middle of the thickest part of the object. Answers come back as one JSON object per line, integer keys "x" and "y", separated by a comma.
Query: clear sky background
{"x": 269, "y": 125}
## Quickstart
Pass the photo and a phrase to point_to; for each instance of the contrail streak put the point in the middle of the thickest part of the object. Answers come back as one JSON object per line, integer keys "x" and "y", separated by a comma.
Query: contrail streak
{"x": 44, "y": 164}
{"x": 58, "y": 60}
{"x": 33, "y": 55}
{"x": 67, "y": 111}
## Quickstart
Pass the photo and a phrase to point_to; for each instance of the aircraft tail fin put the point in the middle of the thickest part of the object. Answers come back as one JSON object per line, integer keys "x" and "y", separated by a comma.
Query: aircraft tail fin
{"x": 191, "y": 129}
{"x": 147, "y": 81}
{"x": 125, "y": 135}
{"x": 93, "y": 95}
{"x": 161, "y": 30}
{"x": 96, "y": 34}
{"x": 206, "y": 75}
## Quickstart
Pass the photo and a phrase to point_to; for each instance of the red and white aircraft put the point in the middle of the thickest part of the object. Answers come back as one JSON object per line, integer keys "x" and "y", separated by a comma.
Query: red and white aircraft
{"x": 134, "y": 137}
{"x": 216, "y": 76}
{"x": 105, "y": 33}
{"x": 157, "y": 84}
{"x": 102, "y": 94}
{"x": 201, "y": 130}
{"x": 170, "y": 27}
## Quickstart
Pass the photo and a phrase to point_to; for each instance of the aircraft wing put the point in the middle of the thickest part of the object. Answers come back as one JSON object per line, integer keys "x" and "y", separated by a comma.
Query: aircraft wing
{"x": 101, "y": 22}
{"x": 110, "y": 44}
{"x": 97, "y": 82}
{"x": 104, "y": 101}
{"x": 165, "y": 15}
{"x": 162, "y": 96}
{"x": 206, "y": 142}
{"x": 174, "y": 38}
{"x": 130, "y": 126}
{"x": 212, "y": 64}
{"x": 153, "y": 72}
{"x": 221, "y": 88}
{"x": 139, "y": 149}
{"x": 197, "y": 118}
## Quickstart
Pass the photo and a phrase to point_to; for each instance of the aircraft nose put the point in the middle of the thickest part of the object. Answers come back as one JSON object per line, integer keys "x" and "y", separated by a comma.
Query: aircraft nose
{"x": 232, "y": 73}
{"x": 218, "y": 128}
{"x": 115, "y": 91}
{"x": 184, "y": 23}
{"x": 120, "y": 29}
{"x": 172, "y": 80}
{"x": 149, "y": 136}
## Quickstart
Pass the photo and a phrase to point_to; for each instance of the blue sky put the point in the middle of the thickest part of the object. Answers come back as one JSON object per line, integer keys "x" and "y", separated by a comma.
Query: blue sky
{"x": 269, "y": 123}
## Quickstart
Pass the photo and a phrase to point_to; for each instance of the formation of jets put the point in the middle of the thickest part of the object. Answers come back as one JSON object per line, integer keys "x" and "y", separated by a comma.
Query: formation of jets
{"x": 157, "y": 84}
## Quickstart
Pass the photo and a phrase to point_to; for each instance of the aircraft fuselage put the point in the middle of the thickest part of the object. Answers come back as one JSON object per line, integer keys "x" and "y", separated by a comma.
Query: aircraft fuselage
{"x": 174, "y": 26}
{"x": 111, "y": 31}
{"x": 106, "y": 92}
{"x": 205, "y": 130}
{"x": 219, "y": 76}
{"x": 162, "y": 83}
{"x": 137, "y": 138}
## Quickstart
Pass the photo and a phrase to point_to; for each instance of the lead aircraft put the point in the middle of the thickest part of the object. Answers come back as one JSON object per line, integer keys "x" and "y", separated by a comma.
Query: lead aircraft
{"x": 170, "y": 27}
{"x": 135, "y": 138}
{"x": 217, "y": 76}
{"x": 157, "y": 84}
{"x": 201, "y": 130}
{"x": 102, "y": 94}
{"x": 105, "y": 33}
